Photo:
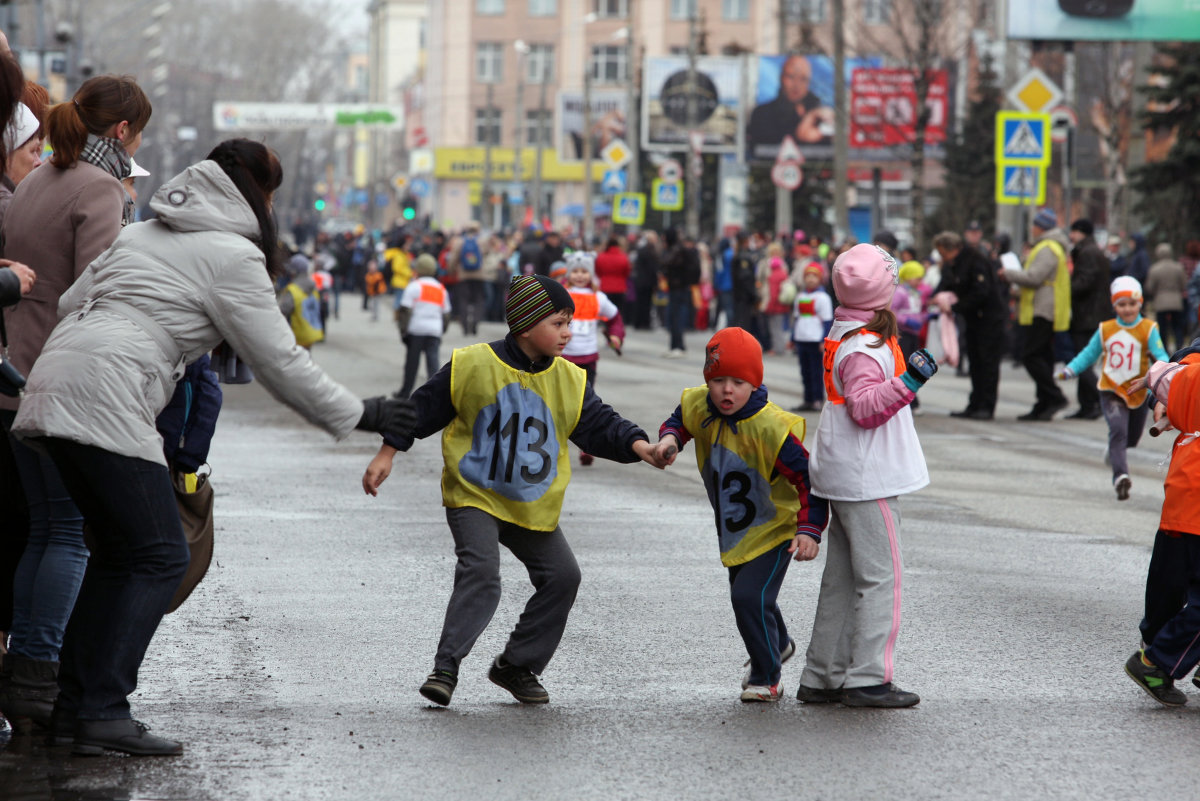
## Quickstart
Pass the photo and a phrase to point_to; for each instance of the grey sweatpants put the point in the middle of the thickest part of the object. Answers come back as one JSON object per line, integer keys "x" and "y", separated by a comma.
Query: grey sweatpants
{"x": 553, "y": 572}
{"x": 858, "y": 611}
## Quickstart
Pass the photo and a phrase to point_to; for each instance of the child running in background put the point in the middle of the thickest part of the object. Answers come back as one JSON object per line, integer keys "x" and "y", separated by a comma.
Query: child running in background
{"x": 423, "y": 314}
{"x": 754, "y": 466}
{"x": 1127, "y": 345}
{"x": 865, "y": 456}
{"x": 506, "y": 410}
{"x": 812, "y": 314}
{"x": 908, "y": 304}
{"x": 591, "y": 308}
{"x": 1171, "y": 626}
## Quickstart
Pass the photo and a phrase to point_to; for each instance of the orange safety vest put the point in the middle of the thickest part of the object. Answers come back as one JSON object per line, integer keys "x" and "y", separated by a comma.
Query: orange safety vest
{"x": 587, "y": 305}
{"x": 431, "y": 293}
{"x": 831, "y": 347}
{"x": 1126, "y": 356}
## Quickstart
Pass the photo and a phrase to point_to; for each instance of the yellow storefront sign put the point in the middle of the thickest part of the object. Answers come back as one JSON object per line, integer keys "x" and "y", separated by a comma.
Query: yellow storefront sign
{"x": 467, "y": 163}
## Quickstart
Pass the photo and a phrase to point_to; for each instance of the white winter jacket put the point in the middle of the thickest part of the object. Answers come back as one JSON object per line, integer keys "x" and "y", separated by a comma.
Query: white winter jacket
{"x": 166, "y": 292}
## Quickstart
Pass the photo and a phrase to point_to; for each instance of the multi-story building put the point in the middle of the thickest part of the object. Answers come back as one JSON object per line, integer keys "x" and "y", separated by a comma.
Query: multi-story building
{"x": 498, "y": 71}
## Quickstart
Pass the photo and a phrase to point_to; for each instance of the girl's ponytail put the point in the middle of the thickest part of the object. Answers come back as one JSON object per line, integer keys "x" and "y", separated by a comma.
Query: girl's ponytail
{"x": 100, "y": 103}
{"x": 883, "y": 324}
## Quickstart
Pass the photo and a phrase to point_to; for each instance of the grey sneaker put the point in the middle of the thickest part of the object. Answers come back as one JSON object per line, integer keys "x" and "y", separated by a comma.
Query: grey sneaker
{"x": 1157, "y": 684}
{"x": 818, "y": 695}
{"x": 784, "y": 655}
{"x": 439, "y": 686}
{"x": 885, "y": 696}
{"x": 519, "y": 681}
{"x": 1121, "y": 484}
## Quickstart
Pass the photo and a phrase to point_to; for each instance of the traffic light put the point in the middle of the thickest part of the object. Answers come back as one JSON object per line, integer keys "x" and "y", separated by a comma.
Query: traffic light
{"x": 408, "y": 208}
{"x": 319, "y": 204}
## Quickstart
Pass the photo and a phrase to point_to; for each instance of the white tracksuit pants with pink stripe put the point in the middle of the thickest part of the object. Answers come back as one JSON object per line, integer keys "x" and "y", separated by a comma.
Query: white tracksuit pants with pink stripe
{"x": 858, "y": 612}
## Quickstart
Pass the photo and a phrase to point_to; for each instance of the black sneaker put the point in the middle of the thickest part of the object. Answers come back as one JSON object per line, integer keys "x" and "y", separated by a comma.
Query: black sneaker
{"x": 886, "y": 696}
{"x": 818, "y": 695}
{"x": 93, "y": 737}
{"x": 439, "y": 686}
{"x": 1196, "y": 678}
{"x": 1158, "y": 684}
{"x": 520, "y": 682}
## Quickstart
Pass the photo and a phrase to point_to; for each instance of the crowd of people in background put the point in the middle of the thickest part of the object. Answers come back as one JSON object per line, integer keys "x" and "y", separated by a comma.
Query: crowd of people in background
{"x": 973, "y": 300}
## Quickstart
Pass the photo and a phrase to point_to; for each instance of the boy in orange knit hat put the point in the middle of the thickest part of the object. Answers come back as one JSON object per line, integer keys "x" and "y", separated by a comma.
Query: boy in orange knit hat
{"x": 754, "y": 465}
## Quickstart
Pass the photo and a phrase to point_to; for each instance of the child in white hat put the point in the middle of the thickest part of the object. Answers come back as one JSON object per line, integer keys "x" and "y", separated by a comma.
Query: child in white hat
{"x": 1128, "y": 344}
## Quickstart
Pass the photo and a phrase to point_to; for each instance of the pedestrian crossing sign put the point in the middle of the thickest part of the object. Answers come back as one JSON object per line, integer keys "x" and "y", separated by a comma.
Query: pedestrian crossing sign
{"x": 665, "y": 196}
{"x": 1020, "y": 183}
{"x": 1023, "y": 138}
{"x": 629, "y": 208}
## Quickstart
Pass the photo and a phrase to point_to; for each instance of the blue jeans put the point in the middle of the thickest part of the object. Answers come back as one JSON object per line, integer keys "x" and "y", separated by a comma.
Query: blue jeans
{"x": 679, "y": 310}
{"x": 140, "y": 557}
{"x": 47, "y": 578}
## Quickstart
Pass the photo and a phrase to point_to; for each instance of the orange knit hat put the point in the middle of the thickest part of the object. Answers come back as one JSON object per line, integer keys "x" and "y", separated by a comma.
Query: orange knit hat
{"x": 734, "y": 352}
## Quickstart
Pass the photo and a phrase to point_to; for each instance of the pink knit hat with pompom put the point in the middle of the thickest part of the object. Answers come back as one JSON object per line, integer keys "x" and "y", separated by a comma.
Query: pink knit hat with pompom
{"x": 865, "y": 278}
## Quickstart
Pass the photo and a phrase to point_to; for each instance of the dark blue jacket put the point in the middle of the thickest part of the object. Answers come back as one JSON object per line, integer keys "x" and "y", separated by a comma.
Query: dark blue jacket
{"x": 189, "y": 419}
{"x": 600, "y": 430}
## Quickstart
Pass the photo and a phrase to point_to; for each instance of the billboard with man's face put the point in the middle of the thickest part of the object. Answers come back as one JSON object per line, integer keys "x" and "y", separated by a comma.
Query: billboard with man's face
{"x": 1105, "y": 20}
{"x": 794, "y": 97}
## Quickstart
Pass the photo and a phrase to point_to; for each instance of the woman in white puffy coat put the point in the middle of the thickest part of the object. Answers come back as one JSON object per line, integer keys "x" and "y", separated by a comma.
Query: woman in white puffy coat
{"x": 165, "y": 293}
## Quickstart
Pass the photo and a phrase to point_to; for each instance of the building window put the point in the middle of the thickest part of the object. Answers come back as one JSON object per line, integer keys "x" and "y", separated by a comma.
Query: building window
{"x": 487, "y": 126}
{"x": 735, "y": 10}
{"x": 489, "y": 62}
{"x": 539, "y": 63}
{"x": 543, "y": 8}
{"x": 489, "y": 6}
{"x": 877, "y": 12}
{"x": 539, "y": 122}
{"x": 683, "y": 9}
{"x": 806, "y": 10}
{"x": 678, "y": 50}
{"x": 610, "y": 64}
{"x": 611, "y": 8}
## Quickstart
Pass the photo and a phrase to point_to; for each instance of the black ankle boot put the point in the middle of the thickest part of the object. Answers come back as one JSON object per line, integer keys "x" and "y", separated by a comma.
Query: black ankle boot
{"x": 29, "y": 693}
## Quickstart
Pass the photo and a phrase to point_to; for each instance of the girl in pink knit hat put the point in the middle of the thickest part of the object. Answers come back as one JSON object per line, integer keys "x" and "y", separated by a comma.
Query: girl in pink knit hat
{"x": 866, "y": 454}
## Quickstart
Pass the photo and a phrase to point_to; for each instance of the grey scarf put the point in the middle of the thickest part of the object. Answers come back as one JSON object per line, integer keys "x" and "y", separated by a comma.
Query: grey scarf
{"x": 110, "y": 155}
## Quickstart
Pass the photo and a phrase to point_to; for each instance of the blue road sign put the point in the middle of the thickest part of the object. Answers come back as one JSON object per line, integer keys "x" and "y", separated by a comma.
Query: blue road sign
{"x": 1022, "y": 138}
{"x": 614, "y": 182}
{"x": 419, "y": 187}
{"x": 629, "y": 208}
{"x": 1020, "y": 183}
{"x": 665, "y": 196}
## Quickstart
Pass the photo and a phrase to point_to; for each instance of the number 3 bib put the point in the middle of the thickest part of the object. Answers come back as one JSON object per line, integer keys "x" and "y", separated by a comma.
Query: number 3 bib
{"x": 755, "y": 508}
{"x": 505, "y": 452}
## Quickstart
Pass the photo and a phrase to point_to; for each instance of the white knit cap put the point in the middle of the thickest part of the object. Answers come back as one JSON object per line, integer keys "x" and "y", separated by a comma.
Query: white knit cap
{"x": 21, "y": 127}
{"x": 1125, "y": 286}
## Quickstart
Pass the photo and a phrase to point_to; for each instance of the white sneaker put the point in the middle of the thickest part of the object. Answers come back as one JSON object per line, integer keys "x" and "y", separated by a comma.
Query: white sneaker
{"x": 784, "y": 656}
{"x": 1121, "y": 484}
{"x": 762, "y": 693}
{"x": 676, "y": 353}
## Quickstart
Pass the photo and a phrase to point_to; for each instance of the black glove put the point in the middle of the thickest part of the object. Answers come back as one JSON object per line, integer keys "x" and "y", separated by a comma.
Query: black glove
{"x": 921, "y": 367}
{"x": 388, "y": 416}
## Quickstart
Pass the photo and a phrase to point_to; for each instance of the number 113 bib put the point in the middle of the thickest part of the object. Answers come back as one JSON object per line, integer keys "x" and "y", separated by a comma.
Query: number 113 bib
{"x": 505, "y": 452}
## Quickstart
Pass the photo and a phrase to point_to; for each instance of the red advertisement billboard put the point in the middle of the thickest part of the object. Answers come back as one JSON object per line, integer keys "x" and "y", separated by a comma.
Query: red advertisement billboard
{"x": 883, "y": 107}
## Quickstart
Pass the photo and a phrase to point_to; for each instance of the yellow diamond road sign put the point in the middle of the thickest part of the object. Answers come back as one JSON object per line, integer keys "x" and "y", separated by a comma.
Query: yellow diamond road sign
{"x": 1035, "y": 92}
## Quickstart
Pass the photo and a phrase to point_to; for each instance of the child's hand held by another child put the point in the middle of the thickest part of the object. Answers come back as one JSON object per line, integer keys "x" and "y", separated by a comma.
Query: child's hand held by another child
{"x": 666, "y": 450}
{"x": 649, "y": 453}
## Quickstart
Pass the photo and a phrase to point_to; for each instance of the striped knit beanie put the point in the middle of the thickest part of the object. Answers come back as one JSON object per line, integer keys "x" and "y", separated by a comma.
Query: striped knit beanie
{"x": 533, "y": 298}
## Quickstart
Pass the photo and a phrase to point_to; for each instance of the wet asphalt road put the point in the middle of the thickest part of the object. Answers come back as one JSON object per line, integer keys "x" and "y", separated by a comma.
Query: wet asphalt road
{"x": 292, "y": 671}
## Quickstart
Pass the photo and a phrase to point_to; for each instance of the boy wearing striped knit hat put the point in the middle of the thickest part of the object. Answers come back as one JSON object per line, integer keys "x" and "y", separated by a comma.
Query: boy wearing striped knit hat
{"x": 506, "y": 410}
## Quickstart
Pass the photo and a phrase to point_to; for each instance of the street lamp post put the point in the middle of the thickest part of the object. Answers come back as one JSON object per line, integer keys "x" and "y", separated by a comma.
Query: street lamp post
{"x": 519, "y": 140}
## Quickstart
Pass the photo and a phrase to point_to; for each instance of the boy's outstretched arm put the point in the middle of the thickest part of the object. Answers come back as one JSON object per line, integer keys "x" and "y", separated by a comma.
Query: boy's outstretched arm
{"x": 604, "y": 433}
{"x": 378, "y": 469}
